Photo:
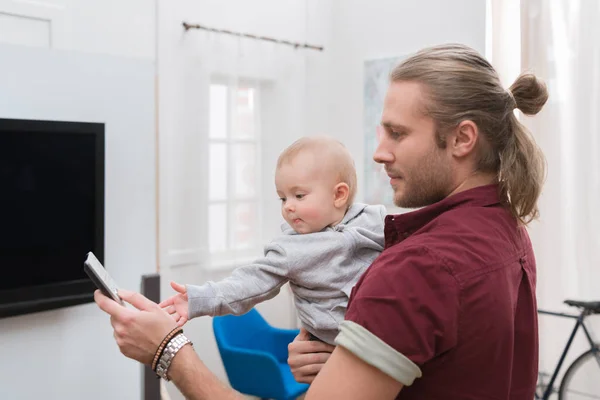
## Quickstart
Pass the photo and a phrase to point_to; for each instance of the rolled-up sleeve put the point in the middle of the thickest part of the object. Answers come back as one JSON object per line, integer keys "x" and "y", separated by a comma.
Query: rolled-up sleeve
{"x": 377, "y": 353}
{"x": 402, "y": 313}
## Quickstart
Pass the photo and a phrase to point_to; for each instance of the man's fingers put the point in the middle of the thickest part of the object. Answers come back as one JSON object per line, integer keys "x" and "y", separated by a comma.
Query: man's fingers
{"x": 308, "y": 370}
{"x": 317, "y": 346}
{"x": 179, "y": 288}
{"x": 137, "y": 300}
{"x": 304, "y": 360}
{"x": 303, "y": 335}
{"x": 107, "y": 305}
{"x": 306, "y": 346}
{"x": 305, "y": 379}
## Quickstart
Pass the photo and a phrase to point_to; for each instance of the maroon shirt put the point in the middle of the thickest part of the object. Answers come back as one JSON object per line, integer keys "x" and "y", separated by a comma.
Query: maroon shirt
{"x": 454, "y": 291}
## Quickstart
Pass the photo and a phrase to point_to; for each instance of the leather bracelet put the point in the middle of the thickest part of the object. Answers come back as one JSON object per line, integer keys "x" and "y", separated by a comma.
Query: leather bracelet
{"x": 161, "y": 347}
{"x": 171, "y": 349}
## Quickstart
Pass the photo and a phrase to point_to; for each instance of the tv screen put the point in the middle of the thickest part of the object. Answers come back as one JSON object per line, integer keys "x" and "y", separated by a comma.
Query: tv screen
{"x": 52, "y": 212}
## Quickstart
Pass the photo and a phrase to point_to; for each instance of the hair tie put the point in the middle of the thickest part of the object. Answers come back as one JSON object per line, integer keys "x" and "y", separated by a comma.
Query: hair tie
{"x": 512, "y": 98}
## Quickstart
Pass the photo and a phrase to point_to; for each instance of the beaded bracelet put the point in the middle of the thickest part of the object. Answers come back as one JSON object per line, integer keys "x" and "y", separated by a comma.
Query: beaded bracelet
{"x": 162, "y": 345}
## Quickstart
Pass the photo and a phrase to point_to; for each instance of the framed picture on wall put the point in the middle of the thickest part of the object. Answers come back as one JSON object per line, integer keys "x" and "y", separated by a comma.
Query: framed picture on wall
{"x": 376, "y": 79}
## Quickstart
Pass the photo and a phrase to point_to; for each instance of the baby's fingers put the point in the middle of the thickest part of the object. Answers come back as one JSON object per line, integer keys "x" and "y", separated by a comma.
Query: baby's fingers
{"x": 168, "y": 302}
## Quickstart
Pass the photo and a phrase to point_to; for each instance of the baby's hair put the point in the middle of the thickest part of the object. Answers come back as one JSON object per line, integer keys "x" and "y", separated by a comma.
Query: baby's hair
{"x": 334, "y": 155}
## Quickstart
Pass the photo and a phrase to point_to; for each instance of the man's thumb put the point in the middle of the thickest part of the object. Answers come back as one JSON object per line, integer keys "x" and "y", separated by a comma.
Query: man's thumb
{"x": 303, "y": 335}
{"x": 137, "y": 300}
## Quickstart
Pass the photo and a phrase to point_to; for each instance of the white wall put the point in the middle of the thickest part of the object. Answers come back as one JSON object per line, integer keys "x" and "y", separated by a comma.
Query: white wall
{"x": 364, "y": 30}
{"x": 117, "y": 27}
{"x": 70, "y": 353}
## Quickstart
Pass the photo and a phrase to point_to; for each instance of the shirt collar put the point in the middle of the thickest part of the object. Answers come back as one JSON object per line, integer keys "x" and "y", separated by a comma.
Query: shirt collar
{"x": 407, "y": 223}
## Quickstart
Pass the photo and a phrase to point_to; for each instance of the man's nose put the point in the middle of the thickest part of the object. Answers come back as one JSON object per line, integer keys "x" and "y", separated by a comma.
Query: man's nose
{"x": 383, "y": 154}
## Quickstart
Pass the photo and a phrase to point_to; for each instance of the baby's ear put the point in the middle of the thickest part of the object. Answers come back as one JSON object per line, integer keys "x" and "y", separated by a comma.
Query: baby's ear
{"x": 341, "y": 193}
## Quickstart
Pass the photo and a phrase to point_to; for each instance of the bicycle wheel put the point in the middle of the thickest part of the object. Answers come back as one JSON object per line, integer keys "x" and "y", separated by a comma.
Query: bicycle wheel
{"x": 582, "y": 379}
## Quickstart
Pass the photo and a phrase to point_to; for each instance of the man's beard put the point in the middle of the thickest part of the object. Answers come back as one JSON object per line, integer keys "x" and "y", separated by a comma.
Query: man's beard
{"x": 426, "y": 183}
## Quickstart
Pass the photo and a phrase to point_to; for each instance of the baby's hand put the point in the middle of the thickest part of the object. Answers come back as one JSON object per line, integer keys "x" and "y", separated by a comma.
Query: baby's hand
{"x": 177, "y": 305}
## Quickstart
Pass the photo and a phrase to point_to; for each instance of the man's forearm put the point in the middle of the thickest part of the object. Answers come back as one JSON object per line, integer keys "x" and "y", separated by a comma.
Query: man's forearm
{"x": 195, "y": 381}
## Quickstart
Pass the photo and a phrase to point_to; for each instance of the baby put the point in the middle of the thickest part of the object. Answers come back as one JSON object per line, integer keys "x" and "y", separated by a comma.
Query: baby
{"x": 326, "y": 244}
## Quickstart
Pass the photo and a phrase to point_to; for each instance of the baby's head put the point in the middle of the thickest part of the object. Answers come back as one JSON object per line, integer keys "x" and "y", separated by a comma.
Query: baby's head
{"x": 316, "y": 181}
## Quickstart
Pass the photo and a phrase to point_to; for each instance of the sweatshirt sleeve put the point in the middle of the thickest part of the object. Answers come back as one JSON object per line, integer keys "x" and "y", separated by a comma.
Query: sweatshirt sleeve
{"x": 243, "y": 289}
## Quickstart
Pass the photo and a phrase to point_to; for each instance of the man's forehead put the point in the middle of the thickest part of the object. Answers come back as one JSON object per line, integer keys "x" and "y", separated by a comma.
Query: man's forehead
{"x": 403, "y": 102}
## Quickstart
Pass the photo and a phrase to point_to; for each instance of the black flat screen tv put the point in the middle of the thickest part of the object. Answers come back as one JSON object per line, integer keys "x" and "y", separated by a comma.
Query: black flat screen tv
{"x": 51, "y": 212}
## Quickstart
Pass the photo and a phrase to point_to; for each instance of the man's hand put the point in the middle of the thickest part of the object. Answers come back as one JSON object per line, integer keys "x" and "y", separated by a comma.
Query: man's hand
{"x": 177, "y": 305}
{"x": 306, "y": 358}
{"x": 139, "y": 331}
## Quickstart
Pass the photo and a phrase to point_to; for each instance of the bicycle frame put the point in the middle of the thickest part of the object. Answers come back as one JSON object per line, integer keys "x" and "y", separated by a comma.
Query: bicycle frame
{"x": 579, "y": 323}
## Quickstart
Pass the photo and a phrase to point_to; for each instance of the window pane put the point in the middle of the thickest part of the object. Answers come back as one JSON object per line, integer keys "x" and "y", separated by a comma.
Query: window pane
{"x": 244, "y": 116}
{"x": 244, "y": 156}
{"x": 217, "y": 164}
{"x": 217, "y": 227}
{"x": 245, "y": 225}
{"x": 218, "y": 112}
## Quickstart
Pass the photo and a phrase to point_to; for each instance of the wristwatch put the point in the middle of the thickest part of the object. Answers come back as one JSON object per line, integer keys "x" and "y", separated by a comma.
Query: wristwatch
{"x": 168, "y": 354}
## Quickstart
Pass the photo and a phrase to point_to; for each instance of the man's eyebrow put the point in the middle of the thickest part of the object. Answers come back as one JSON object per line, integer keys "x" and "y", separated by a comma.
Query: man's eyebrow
{"x": 394, "y": 127}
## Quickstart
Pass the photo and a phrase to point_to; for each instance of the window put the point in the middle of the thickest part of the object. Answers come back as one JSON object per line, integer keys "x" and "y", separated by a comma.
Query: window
{"x": 234, "y": 172}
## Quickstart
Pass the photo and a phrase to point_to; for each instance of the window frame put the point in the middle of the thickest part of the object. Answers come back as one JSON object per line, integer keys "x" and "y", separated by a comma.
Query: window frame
{"x": 231, "y": 256}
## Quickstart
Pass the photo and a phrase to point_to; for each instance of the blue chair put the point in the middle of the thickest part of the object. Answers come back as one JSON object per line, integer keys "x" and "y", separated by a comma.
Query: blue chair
{"x": 255, "y": 356}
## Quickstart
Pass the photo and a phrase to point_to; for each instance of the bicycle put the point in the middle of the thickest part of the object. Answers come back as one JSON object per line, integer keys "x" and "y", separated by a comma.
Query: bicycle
{"x": 582, "y": 378}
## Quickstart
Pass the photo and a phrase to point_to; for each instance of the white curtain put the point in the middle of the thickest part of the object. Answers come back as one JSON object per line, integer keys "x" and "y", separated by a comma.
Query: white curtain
{"x": 560, "y": 42}
{"x": 188, "y": 63}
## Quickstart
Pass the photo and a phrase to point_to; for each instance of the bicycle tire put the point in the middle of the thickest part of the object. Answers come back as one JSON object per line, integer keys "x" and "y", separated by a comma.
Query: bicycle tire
{"x": 572, "y": 370}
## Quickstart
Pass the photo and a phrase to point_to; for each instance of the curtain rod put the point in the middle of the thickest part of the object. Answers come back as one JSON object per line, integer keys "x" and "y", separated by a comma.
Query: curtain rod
{"x": 251, "y": 36}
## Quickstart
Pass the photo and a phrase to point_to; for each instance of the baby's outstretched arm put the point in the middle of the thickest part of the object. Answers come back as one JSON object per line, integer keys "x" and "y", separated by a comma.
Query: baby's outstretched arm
{"x": 237, "y": 294}
{"x": 243, "y": 289}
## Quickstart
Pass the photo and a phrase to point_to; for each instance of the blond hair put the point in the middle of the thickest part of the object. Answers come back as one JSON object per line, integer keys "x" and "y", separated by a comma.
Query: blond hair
{"x": 335, "y": 158}
{"x": 459, "y": 84}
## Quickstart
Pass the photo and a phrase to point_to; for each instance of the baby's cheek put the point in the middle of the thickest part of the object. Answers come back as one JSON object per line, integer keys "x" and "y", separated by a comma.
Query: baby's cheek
{"x": 314, "y": 211}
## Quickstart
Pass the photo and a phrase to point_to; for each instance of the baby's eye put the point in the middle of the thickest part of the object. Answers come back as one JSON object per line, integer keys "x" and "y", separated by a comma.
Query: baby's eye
{"x": 282, "y": 199}
{"x": 300, "y": 196}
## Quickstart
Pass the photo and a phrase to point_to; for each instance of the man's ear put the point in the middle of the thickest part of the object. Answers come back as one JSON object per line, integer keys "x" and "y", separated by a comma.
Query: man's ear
{"x": 341, "y": 191}
{"x": 464, "y": 139}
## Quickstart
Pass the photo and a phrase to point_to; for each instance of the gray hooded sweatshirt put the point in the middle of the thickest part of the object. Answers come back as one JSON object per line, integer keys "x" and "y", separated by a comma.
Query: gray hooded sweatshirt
{"x": 322, "y": 268}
